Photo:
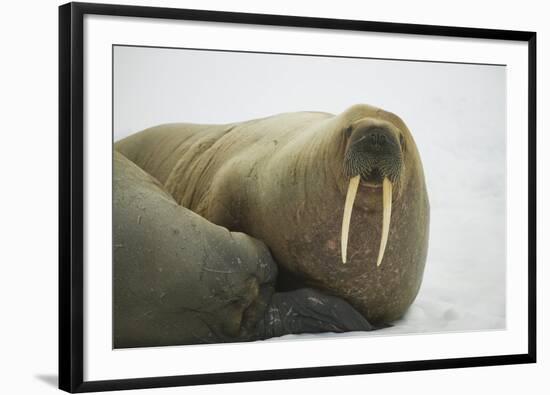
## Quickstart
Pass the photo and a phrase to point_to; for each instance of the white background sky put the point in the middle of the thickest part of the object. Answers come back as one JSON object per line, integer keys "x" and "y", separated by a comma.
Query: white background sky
{"x": 456, "y": 113}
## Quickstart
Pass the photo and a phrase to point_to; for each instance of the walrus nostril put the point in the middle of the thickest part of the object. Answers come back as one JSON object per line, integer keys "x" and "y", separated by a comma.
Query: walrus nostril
{"x": 376, "y": 140}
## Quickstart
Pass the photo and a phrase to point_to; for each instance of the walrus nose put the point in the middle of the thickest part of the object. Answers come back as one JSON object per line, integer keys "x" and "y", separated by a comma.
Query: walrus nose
{"x": 377, "y": 140}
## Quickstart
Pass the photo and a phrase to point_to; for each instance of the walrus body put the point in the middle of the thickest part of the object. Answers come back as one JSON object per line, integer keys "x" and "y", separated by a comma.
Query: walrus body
{"x": 282, "y": 180}
{"x": 179, "y": 279}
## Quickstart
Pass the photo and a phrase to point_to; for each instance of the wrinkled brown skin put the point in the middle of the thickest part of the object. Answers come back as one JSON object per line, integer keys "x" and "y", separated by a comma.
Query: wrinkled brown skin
{"x": 280, "y": 179}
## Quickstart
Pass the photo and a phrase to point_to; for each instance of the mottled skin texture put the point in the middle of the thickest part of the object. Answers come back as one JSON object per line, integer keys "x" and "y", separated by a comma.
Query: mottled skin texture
{"x": 180, "y": 279}
{"x": 280, "y": 179}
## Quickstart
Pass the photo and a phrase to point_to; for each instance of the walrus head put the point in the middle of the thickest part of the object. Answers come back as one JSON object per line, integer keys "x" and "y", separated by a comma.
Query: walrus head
{"x": 374, "y": 156}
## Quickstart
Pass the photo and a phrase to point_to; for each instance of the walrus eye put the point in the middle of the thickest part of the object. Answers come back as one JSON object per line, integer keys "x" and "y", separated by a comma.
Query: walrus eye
{"x": 348, "y": 131}
{"x": 402, "y": 141}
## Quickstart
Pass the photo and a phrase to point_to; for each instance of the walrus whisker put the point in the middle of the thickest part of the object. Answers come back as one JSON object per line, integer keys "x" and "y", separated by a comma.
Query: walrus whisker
{"x": 386, "y": 217}
{"x": 348, "y": 206}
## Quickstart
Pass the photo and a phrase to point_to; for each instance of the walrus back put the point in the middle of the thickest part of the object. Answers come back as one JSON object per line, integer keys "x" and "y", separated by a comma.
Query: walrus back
{"x": 158, "y": 149}
{"x": 163, "y": 149}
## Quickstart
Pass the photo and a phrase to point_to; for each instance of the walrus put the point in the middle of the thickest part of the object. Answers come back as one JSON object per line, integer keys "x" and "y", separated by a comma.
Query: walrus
{"x": 292, "y": 180}
{"x": 180, "y": 279}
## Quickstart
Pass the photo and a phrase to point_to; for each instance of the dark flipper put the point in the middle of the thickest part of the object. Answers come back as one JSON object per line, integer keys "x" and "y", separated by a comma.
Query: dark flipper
{"x": 309, "y": 311}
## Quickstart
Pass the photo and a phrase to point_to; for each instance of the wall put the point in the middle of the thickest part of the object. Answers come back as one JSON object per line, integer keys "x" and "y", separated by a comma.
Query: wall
{"x": 28, "y": 161}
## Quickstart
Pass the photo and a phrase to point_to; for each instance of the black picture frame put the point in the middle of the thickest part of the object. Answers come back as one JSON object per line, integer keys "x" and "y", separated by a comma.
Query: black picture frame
{"x": 71, "y": 205}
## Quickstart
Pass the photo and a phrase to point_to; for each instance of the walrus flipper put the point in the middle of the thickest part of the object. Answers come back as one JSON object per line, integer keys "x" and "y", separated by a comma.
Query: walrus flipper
{"x": 309, "y": 311}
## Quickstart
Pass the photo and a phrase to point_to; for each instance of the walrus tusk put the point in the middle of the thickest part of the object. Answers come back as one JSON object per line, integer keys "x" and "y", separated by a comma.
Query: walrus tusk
{"x": 350, "y": 198}
{"x": 386, "y": 216}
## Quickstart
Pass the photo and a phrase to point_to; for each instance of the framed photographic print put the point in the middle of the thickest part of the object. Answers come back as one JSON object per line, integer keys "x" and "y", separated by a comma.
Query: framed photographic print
{"x": 250, "y": 197}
